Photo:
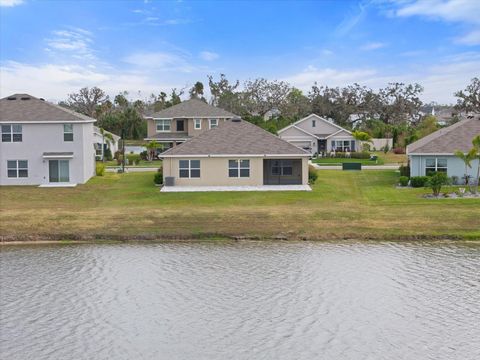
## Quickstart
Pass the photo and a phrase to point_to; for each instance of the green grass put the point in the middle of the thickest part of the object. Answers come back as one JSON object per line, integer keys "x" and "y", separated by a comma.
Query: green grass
{"x": 341, "y": 205}
{"x": 339, "y": 161}
{"x": 142, "y": 163}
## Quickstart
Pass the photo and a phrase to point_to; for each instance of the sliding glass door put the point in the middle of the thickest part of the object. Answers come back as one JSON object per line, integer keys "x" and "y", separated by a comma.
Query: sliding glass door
{"x": 59, "y": 170}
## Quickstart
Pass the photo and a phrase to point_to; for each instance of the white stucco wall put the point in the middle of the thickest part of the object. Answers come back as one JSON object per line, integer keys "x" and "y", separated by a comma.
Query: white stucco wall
{"x": 455, "y": 166}
{"x": 48, "y": 137}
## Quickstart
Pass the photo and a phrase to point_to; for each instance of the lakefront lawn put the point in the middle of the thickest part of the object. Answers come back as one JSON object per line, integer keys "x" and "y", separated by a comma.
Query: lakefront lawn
{"x": 342, "y": 205}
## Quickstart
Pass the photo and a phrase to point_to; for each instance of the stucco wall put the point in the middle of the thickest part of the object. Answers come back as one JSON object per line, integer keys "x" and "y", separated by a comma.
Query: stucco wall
{"x": 189, "y": 126}
{"x": 40, "y": 138}
{"x": 214, "y": 172}
{"x": 321, "y": 127}
{"x": 455, "y": 166}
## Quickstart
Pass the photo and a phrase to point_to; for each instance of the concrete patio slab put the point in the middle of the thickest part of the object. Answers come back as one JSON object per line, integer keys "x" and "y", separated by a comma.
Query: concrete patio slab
{"x": 236, "y": 188}
{"x": 58, "y": 185}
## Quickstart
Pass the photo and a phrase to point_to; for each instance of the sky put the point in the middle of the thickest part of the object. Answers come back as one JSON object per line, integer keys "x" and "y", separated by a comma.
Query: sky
{"x": 52, "y": 48}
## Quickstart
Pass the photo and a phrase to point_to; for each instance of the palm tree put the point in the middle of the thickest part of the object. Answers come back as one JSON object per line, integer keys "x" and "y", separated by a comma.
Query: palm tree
{"x": 151, "y": 146}
{"x": 467, "y": 159}
{"x": 476, "y": 146}
{"x": 361, "y": 136}
{"x": 106, "y": 138}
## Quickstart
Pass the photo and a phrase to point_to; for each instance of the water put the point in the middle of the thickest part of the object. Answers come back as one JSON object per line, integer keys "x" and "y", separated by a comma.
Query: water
{"x": 248, "y": 300}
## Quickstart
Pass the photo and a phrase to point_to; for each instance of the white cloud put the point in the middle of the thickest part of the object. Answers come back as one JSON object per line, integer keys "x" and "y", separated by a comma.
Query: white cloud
{"x": 351, "y": 20}
{"x": 10, "y": 3}
{"x": 472, "y": 38}
{"x": 208, "y": 55}
{"x": 161, "y": 61}
{"x": 372, "y": 46}
{"x": 74, "y": 42}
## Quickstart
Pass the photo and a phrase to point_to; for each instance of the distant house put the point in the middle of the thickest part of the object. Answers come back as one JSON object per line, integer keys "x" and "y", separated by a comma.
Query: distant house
{"x": 318, "y": 135}
{"x": 44, "y": 144}
{"x": 100, "y": 142}
{"x": 178, "y": 123}
{"x": 435, "y": 152}
{"x": 236, "y": 154}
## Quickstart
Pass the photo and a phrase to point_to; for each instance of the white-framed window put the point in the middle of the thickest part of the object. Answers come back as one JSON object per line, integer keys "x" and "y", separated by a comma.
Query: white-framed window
{"x": 314, "y": 123}
{"x": 213, "y": 123}
{"x": 163, "y": 125}
{"x": 433, "y": 165}
{"x": 189, "y": 168}
{"x": 12, "y": 133}
{"x": 67, "y": 132}
{"x": 197, "y": 124}
{"x": 343, "y": 145}
{"x": 238, "y": 168}
{"x": 282, "y": 167}
{"x": 17, "y": 168}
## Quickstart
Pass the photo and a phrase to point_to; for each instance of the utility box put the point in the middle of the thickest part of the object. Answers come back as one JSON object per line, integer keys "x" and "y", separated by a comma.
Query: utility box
{"x": 351, "y": 166}
{"x": 169, "y": 181}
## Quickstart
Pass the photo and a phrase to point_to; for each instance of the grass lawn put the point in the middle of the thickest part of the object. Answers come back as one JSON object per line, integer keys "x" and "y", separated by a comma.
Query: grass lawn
{"x": 339, "y": 161}
{"x": 142, "y": 163}
{"x": 391, "y": 158}
{"x": 342, "y": 205}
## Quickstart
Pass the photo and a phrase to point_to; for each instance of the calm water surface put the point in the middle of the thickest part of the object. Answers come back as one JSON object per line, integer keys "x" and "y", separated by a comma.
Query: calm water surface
{"x": 249, "y": 300}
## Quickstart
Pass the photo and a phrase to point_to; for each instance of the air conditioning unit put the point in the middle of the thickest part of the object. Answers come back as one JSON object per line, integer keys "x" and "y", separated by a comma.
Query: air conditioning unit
{"x": 169, "y": 181}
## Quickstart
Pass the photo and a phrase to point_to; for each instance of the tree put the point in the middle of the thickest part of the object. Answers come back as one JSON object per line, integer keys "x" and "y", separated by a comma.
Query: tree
{"x": 467, "y": 159}
{"x": 400, "y": 103}
{"x": 222, "y": 92}
{"x": 362, "y": 137}
{"x": 261, "y": 95}
{"x": 196, "y": 92}
{"x": 436, "y": 181}
{"x": 86, "y": 101}
{"x": 108, "y": 139}
{"x": 152, "y": 147}
{"x": 476, "y": 146}
{"x": 296, "y": 105}
{"x": 469, "y": 99}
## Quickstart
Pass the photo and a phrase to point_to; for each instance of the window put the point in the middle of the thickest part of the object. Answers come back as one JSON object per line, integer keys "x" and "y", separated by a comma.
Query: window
{"x": 59, "y": 170}
{"x": 197, "y": 124}
{"x": 314, "y": 123}
{"x": 189, "y": 168}
{"x": 282, "y": 167}
{"x": 11, "y": 133}
{"x": 67, "y": 132}
{"x": 433, "y": 165}
{"x": 180, "y": 125}
{"x": 213, "y": 123}
{"x": 17, "y": 168}
{"x": 238, "y": 168}
{"x": 343, "y": 145}
{"x": 163, "y": 125}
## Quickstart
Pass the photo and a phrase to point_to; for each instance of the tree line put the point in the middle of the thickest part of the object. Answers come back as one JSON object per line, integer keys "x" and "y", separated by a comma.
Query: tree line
{"x": 392, "y": 111}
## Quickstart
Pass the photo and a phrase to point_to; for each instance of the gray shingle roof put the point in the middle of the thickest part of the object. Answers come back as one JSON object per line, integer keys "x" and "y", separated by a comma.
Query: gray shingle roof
{"x": 189, "y": 109}
{"x": 14, "y": 109}
{"x": 235, "y": 138}
{"x": 447, "y": 140}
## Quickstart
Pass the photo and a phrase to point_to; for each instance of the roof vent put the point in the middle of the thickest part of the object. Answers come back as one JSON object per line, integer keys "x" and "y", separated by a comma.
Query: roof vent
{"x": 42, "y": 99}
{"x": 25, "y": 98}
{"x": 12, "y": 98}
{"x": 236, "y": 119}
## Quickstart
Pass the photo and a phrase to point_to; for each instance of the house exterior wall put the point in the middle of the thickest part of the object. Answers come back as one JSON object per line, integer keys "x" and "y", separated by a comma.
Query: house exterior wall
{"x": 455, "y": 166}
{"x": 299, "y": 139}
{"x": 214, "y": 172}
{"x": 40, "y": 138}
{"x": 189, "y": 125}
{"x": 321, "y": 127}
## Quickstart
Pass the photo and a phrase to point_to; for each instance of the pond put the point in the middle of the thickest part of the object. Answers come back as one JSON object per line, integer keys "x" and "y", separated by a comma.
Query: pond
{"x": 241, "y": 300}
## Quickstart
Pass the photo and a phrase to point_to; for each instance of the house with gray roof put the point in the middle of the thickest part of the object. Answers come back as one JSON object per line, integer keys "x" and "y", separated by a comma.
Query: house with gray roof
{"x": 178, "y": 123}
{"x": 44, "y": 144}
{"x": 236, "y": 155}
{"x": 435, "y": 152}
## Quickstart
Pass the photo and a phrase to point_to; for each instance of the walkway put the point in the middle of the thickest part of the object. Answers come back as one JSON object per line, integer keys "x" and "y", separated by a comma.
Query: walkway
{"x": 236, "y": 188}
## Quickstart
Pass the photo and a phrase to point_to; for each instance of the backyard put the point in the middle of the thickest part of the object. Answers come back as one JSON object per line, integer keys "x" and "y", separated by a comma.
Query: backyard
{"x": 341, "y": 205}
{"x": 382, "y": 159}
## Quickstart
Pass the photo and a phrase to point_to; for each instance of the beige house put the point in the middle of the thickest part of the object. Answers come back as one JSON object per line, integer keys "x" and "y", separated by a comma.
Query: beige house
{"x": 236, "y": 154}
{"x": 183, "y": 121}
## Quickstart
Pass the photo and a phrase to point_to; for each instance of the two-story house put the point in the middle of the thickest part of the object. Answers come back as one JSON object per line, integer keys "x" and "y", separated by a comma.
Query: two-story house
{"x": 44, "y": 144}
{"x": 183, "y": 121}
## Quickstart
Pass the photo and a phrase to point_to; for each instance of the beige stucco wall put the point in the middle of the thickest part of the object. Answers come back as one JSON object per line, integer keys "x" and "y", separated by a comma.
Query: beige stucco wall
{"x": 189, "y": 126}
{"x": 214, "y": 172}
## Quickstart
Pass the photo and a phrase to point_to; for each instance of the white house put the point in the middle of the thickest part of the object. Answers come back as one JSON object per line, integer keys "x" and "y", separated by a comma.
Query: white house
{"x": 318, "y": 135}
{"x": 44, "y": 144}
{"x": 102, "y": 143}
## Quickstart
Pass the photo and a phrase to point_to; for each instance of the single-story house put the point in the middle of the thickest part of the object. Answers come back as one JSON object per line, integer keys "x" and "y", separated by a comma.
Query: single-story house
{"x": 435, "y": 152}
{"x": 318, "y": 135}
{"x": 44, "y": 144}
{"x": 236, "y": 154}
{"x": 102, "y": 142}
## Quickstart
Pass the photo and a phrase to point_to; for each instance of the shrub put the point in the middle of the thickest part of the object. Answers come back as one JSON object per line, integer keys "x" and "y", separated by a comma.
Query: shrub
{"x": 386, "y": 148}
{"x": 436, "y": 182}
{"x": 107, "y": 154}
{"x": 144, "y": 155}
{"x": 119, "y": 158}
{"x": 117, "y": 154}
{"x": 312, "y": 174}
{"x": 404, "y": 170}
{"x": 133, "y": 159}
{"x": 418, "y": 181}
{"x": 354, "y": 155}
{"x": 455, "y": 180}
{"x": 158, "y": 177}
{"x": 399, "y": 150}
{"x": 403, "y": 180}
{"x": 99, "y": 169}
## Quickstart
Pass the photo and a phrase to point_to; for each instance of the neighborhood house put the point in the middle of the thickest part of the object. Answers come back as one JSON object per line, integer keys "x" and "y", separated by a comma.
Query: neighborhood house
{"x": 319, "y": 136}
{"x": 44, "y": 144}
{"x": 176, "y": 124}
{"x": 435, "y": 152}
{"x": 237, "y": 153}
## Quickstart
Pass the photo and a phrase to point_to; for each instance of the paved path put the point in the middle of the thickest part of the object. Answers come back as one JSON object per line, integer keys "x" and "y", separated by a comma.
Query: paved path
{"x": 132, "y": 169}
{"x": 364, "y": 167}
{"x": 236, "y": 188}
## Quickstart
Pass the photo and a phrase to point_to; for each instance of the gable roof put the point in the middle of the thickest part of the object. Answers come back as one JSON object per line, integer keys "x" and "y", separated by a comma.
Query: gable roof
{"x": 24, "y": 108}
{"x": 97, "y": 131}
{"x": 191, "y": 108}
{"x": 316, "y": 117}
{"x": 237, "y": 137}
{"x": 447, "y": 140}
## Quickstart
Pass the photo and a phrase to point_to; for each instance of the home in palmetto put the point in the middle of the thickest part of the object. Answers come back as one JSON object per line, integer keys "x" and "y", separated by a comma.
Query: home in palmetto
{"x": 319, "y": 136}
{"x": 176, "y": 124}
{"x": 436, "y": 152}
{"x": 44, "y": 144}
{"x": 236, "y": 155}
